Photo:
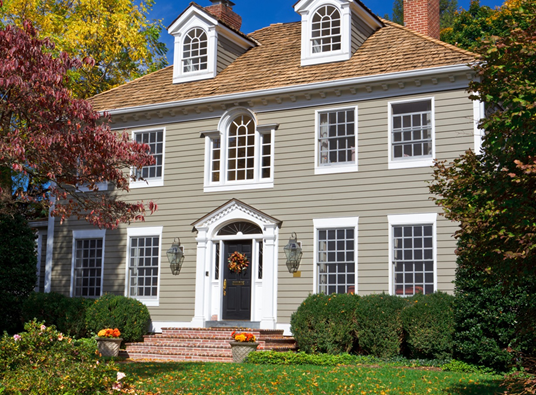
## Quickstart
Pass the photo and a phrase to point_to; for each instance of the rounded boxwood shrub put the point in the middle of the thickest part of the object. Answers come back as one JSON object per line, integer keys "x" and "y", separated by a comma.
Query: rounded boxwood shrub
{"x": 379, "y": 324}
{"x": 18, "y": 269}
{"x": 68, "y": 315}
{"x": 428, "y": 322}
{"x": 326, "y": 324}
{"x": 43, "y": 361}
{"x": 129, "y": 315}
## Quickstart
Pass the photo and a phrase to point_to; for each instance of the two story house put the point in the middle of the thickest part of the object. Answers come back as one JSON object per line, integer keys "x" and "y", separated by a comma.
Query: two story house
{"x": 322, "y": 131}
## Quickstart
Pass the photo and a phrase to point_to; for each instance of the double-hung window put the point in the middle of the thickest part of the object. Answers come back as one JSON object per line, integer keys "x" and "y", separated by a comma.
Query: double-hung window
{"x": 143, "y": 266}
{"x": 153, "y": 175}
{"x": 336, "y": 255}
{"x": 87, "y": 263}
{"x": 411, "y": 135}
{"x": 336, "y": 147}
{"x": 413, "y": 254}
{"x": 239, "y": 155}
{"x": 195, "y": 51}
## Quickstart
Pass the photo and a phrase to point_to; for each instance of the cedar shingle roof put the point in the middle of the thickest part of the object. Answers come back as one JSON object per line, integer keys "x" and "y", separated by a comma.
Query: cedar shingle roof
{"x": 276, "y": 63}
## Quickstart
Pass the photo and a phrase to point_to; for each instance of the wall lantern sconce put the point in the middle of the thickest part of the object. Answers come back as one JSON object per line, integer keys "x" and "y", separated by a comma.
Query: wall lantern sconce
{"x": 294, "y": 252}
{"x": 175, "y": 256}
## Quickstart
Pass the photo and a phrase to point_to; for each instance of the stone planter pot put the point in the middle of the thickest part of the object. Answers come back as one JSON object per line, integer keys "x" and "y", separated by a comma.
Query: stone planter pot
{"x": 242, "y": 349}
{"x": 109, "y": 346}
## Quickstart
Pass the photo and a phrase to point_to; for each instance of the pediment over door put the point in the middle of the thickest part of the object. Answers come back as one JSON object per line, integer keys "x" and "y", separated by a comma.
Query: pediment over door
{"x": 235, "y": 210}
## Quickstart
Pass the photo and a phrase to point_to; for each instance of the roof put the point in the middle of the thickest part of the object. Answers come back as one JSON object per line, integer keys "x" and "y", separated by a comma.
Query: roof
{"x": 276, "y": 63}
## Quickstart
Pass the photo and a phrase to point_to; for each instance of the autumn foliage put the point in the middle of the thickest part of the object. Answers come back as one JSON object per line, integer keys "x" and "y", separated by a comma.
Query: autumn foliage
{"x": 56, "y": 143}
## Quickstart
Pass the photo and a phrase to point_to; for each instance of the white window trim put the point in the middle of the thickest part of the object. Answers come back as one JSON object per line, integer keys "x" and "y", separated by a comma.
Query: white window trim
{"x": 155, "y": 181}
{"x": 139, "y": 232}
{"x": 331, "y": 223}
{"x": 103, "y": 186}
{"x": 411, "y": 219}
{"x": 336, "y": 167}
{"x": 409, "y": 162}
{"x": 194, "y": 18}
{"x": 223, "y": 127}
{"x": 307, "y": 56}
{"x": 87, "y": 234}
{"x": 478, "y": 115}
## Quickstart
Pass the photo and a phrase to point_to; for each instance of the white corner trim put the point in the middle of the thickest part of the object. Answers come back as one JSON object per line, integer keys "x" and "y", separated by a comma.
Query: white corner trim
{"x": 478, "y": 114}
{"x": 50, "y": 248}
{"x": 411, "y": 219}
{"x": 140, "y": 232}
{"x": 405, "y": 163}
{"x": 334, "y": 168}
{"x": 334, "y": 223}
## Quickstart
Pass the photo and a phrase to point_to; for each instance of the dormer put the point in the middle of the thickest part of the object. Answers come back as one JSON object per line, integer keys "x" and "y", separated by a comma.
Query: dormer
{"x": 332, "y": 30}
{"x": 207, "y": 40}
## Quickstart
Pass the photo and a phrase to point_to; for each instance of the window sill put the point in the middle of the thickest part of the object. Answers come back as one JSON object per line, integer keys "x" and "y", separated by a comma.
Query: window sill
{"x": 410, "y": 162}
{"x": 150, "y": 182}
{"x": 325, "y": 57}
{"x": 149, "y": 302}
{"x": 332, "y": 169}
{"x": 238, "y": 187}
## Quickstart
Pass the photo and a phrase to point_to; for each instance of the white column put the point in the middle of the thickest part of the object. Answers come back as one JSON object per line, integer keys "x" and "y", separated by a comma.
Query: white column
{"x": 200, "y": 279}
{"x": 50, "y": 248}
{"x": 269, "y": 289}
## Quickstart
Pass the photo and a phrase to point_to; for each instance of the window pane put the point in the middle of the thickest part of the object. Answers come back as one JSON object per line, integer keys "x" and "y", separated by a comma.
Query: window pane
{"x": 143, "y": 266}
{"x": 411, "y": 133}
{"x": 87, "y": 267}
{"x": 155, "y": 140}
{"x": 336, "y": 257}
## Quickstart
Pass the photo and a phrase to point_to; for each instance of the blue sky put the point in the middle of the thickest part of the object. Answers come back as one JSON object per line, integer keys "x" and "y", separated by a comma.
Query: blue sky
{"x": 258, "y": 14}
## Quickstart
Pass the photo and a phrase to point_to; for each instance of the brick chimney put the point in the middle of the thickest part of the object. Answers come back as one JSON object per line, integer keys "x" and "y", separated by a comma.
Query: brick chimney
{"x": 223, "y": 10}
{"x": 422, "y": 16}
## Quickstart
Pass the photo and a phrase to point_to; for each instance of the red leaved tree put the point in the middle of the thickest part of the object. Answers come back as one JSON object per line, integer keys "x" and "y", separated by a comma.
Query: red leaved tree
{"x": 53, "y": 143}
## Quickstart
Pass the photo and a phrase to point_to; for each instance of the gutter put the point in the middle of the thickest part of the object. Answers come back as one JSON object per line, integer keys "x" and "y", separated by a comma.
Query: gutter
{"x": 293, "y": 89}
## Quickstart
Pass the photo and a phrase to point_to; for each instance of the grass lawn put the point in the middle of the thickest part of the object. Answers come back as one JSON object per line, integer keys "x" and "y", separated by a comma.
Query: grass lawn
{"x": 225, "y": 378}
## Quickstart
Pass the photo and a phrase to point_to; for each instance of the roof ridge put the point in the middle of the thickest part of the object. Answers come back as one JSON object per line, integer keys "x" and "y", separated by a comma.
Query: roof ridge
{"x": 434, "y": 40}
{"x": 130, "y": 82}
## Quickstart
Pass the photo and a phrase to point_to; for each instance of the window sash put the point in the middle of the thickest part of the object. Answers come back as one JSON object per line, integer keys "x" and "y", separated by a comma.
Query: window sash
{"x": 144, "y": 265}
{"x": 87, "y": 279}
{"x": 326, "y": 30}
{"x": 337, "y": 137}
{"x": 155, "y": 140}
{"x": 411, "y": 134}
{"x": 413, "y": 259}
{"x": 195, "y": 51}
{"x": 336, "y": 260}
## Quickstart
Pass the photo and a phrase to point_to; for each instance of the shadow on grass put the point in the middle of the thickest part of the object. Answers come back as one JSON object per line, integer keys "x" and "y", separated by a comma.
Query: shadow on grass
{"x": 488, "y": 387}
{"x": 148, "y": 369}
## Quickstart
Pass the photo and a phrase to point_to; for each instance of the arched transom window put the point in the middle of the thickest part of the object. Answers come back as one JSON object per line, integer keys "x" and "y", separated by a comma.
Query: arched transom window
{"x": 326, "y": 30}
{"x": 194, "y": 53}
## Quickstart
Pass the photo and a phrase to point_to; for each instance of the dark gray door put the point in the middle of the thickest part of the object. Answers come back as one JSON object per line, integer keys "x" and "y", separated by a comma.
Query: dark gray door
{"x": 237, "y": 286}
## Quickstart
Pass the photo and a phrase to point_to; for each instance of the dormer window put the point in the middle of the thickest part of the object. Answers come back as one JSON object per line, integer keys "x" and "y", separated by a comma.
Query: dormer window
{"x": 333, "y": 30}
{"x": 195, "y": 51}
{"x": 326, "y": 30}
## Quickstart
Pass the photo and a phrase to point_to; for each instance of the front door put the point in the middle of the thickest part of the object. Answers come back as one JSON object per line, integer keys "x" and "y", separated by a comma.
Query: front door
{"x": 237, "y": 286}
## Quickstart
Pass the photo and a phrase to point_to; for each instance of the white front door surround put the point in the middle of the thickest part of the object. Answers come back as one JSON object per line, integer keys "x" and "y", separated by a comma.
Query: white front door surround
{"x": 208, "y": 287}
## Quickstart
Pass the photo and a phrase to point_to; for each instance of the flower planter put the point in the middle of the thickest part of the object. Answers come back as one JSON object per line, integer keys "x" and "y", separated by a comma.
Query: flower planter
{"x": 242, "y": 349}
{"x": 108, "y": 346}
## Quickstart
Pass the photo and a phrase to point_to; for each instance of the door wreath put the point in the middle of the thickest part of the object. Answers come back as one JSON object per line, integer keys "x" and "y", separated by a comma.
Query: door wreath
{"x": 237, "y": 262}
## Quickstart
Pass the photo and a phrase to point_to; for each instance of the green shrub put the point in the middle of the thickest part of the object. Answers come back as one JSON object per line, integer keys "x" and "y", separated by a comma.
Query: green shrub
{"x": 493, "y": 323}
{"x": 326, "y": 323}
{"x": 18, "y": 274}
{"x": 302, "y": 358}
{"x": 129, "y": 315}
{"x": 379, "y": 324}
{"x": 43, "y": 361}
{"x": 68, "y": 315}
{"x": 428, "y": 322}
{"x": 464, "y": 367}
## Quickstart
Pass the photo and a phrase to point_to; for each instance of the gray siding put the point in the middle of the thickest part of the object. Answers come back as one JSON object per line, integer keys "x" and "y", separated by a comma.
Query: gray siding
{"x": 298, "y": 197}
{"x": 227, "y": 52}
{"x": 360, "y": 32}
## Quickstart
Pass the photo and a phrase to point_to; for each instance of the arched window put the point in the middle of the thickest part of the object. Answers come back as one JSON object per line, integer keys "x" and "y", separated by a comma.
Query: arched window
{"x": 194, "y": 51}
{"x": 326, "y": 30}
{"x": 241, "y": 149}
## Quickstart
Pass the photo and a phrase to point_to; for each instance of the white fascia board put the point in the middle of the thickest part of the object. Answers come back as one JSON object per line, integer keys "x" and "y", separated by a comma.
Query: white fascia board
{"x": 294, "y": 88}
{"x": 187, "y": 15}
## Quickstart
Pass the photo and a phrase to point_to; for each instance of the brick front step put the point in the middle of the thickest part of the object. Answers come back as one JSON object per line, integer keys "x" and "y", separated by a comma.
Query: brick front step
{"x": 203, "y": 344}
